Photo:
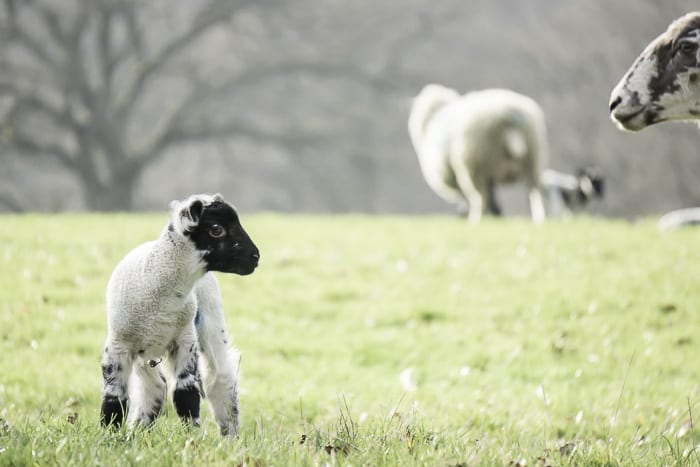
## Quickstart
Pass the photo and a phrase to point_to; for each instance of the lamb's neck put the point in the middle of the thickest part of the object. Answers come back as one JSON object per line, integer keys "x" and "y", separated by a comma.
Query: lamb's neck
{"x": 185, "y": 263}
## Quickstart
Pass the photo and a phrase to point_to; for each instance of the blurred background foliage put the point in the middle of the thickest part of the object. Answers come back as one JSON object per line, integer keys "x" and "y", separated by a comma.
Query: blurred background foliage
{"x": 302, "y": 105}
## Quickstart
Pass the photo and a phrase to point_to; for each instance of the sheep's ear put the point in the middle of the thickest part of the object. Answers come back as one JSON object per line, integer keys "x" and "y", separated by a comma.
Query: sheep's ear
{"x": 218, "y": 197}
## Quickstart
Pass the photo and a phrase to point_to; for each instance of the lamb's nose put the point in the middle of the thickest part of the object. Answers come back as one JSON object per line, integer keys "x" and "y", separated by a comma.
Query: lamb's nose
{"x": 615, "y": 102}
{"x": 255, "y": 255}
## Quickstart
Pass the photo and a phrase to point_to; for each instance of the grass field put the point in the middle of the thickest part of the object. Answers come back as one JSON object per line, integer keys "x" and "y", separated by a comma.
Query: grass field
{"x": 378, "y": 341}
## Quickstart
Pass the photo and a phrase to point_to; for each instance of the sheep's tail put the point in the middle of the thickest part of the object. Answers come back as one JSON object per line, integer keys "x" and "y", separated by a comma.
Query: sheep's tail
{"x": 526, "y": 137}
{"x": 515, "y": 142}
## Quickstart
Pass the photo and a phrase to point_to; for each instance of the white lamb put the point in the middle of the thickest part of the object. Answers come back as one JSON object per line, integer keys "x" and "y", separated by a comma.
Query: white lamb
{"x": 568, "y": 193}
{"x": 162, "y": 302}
{"x": 466, "y": 144}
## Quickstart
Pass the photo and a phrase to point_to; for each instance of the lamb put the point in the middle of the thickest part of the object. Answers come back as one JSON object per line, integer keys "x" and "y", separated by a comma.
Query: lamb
{"x": 466, "y": 144}
{"x": 663, "y": 83}
{"x": 163, "y": 301}
{"x": 567, "y": 193}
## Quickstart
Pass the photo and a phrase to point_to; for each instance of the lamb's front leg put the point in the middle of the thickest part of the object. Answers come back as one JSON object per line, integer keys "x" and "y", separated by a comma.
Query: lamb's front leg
{"x": 116, "y": 368}
{"x": 221, "y": 383}
{"x": 220, "y": 369}
{"x": 220, "y": 361}
{"x": 186, "y": 396}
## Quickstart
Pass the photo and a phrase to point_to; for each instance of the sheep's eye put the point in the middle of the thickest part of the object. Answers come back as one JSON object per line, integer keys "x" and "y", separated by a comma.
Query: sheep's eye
{"x": 217, "y": 231}
{"x": 688, "y": 47}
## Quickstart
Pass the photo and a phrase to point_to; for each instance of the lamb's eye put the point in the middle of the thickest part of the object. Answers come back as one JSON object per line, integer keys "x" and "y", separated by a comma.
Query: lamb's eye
{"x": 217, "y": 231}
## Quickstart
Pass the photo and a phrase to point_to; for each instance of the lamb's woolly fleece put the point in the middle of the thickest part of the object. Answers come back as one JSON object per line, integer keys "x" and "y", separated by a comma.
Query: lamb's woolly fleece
{"x": 155, "y": 282}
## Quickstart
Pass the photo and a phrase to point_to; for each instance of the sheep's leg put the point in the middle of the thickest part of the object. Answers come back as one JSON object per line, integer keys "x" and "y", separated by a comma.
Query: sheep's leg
{"x": 536, "y": 202}
{"x": 467, "y": 185}
{"x": 476, "y": 207}
{"x": 491, "y": 203}
{"x": 116, "y": 368}
{"x": 186, "y": 396}
{"x": 474, "y": 196}
{"x": 536, "y": 206}
{"x": 148, "y": 394}
{"x": 220, "y": 368}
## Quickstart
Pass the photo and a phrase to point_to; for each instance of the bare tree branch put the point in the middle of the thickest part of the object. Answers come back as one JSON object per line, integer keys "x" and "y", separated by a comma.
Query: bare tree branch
{"x": 216, "y": 13}
{"x": 21, "y": 38}
{"x": 33, "y": 102}
{"x": 52, "y": 22}
{"x": 32, "y": 148}
{"x": 104, "y": 44}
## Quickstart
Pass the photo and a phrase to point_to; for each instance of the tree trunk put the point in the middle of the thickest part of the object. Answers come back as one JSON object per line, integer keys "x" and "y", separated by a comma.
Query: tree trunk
{"x": 118, "y": 195}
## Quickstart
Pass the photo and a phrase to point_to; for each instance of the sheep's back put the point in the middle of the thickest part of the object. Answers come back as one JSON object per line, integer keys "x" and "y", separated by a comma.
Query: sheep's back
{"x": 497, "y": 133}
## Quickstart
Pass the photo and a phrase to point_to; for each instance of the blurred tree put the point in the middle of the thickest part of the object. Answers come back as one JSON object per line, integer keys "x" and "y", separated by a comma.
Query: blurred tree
{"x": 302, "y": 105}
{"x": 77, "y": 75}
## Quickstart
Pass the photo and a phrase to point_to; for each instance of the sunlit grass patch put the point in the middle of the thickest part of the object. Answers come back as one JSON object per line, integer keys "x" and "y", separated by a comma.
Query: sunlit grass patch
{"x": 379, "y": 341}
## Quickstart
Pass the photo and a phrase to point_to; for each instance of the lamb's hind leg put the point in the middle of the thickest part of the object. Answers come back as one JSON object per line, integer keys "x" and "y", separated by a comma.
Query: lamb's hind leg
{"x": 116, "y": 368}
{"x": 186, "y": 396}
{"x": 148, "y": 393}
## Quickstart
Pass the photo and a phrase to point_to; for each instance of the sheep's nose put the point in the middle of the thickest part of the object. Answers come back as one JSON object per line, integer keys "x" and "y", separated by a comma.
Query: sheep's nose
{"x": 615, "y": 102}
{"x": 255, "y": 255}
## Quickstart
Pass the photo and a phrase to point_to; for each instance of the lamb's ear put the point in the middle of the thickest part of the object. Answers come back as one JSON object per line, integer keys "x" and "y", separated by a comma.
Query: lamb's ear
{"x": 185, "y": 214}
{"x": 218, "y": 197}
{"x": 191, "y": 213}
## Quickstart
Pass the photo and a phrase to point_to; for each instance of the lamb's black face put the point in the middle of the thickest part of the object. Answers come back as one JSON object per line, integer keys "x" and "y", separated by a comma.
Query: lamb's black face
{"x": 227, "y": 246}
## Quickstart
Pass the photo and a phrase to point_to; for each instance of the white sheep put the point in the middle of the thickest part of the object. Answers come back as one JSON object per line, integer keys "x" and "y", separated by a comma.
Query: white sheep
{"x": 466, "y": 144}
{"x": 164, "y": 303}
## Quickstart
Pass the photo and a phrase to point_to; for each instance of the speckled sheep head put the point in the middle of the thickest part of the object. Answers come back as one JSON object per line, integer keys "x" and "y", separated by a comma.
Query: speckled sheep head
{"x": 213, "y": 226}
{"x": 663, "y": 83}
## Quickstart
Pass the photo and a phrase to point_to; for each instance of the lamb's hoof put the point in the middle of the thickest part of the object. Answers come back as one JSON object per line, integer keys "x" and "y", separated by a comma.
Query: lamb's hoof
{"x": 229, "y": 429}
{"x": 191, "y": 422}
{"x": 112, "y": 412}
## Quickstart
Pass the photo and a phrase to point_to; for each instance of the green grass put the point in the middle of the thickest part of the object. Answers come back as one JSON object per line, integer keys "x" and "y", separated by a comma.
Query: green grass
{"x": 565, "y": 344}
